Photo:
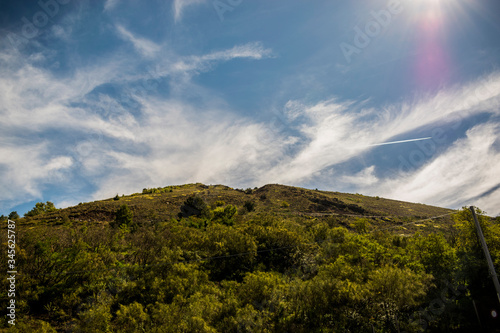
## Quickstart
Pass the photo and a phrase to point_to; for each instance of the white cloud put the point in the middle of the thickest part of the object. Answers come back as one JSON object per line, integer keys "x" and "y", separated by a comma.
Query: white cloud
{"x": 144, "y": 46}
{"x": 195, "y": 64}
{"x": 180, "y": 5}
{"x": 57, "y": 163}
{"x": 365, "y": 177}
{"x": 170, "y": 142}
{"x": 174, "y": 142}
{"x": 334, "y": 132}
{"x": 110, "y": 4}
{"x": 466, "y": 170}
{"x": 61, "y": 32}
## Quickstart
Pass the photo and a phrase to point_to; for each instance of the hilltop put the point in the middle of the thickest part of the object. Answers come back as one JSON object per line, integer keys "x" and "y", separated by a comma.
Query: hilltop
{"x": 154, "y": 205}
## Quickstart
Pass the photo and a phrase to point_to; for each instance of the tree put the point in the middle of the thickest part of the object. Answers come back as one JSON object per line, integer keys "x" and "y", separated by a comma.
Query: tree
{"x": 224, "y": 215}
{"x": 194, "y": 205}
{"x": 41, "y": 208}
{"x": 434, "y": 253}
{"x": 394, "y": 290}
{"x": 131, "y": 318}
{"x": 472, "y": 267}
{"x": 124, "y": 216}
{"x": 361, "y": 225}
{"x": 13, "y": 215}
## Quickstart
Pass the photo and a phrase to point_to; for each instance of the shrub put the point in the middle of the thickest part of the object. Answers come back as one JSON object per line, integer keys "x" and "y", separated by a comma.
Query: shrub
{"x": 131, "y": 318}
{"x": 224, "y": 215}
{"x": 116, "y": 198}
{"x": 285, "y": 204}
{"x": 194, "y": 205}
{"x": 124, "y": 216}
{"x": 249, "y": 205}
{"x": 361, "y": 225}
{"x": 219, "y": 203}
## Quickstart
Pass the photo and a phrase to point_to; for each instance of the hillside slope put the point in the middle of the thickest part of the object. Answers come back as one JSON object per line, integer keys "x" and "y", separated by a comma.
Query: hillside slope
{"x": 162, "y": 204}
{"x": 209, "y": 258}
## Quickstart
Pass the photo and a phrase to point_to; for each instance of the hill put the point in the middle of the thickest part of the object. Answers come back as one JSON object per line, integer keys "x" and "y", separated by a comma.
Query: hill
{"x": 162, "y": 204}
{"x": 210, "y": 258}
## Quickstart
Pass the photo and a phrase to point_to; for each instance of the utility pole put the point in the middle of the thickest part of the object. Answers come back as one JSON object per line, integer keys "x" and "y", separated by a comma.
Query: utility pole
{"x": 486, "y": 253}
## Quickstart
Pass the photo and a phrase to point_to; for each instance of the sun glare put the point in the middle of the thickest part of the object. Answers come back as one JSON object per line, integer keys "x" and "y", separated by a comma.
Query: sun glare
{"x": 430, "y": 22}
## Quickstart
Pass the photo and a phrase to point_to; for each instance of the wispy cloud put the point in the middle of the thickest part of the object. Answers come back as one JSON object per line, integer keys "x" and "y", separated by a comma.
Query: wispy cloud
{"x": 334, "y": 131}
{"x": 457, "y": 177}
{"x": 110, "y": 4}
{"x": 144, "y": 46}
{"x": 195, "y": 64}
{"x": 57, "y": 129}
{"x": 180, "y": 5}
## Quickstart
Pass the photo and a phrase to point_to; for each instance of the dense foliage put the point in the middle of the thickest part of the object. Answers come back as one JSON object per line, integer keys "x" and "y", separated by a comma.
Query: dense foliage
{"x": 41, "y": 208}
{"x": 209, "y": 271}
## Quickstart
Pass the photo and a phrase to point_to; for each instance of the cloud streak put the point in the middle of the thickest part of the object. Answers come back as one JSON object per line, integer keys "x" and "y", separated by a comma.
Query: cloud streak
{"x": 179, "y": 6}
{"x": 457, "y": 177}
{"x": 150, "y": 140}
{"x": 93, "y": 128}
{"x": 145, "y": 47}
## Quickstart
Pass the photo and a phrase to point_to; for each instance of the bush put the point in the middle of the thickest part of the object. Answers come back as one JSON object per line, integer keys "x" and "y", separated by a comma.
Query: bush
{"x": 224, "y": 215}
{"x": 116, "y": 198}
{"x": 124, "y": 216}
{"x": 361, "y": 225}
{"x": 218, "y": 203}
{"x": 285, "y": 204}
{"x": 194, "y": 205}
{"x": 249, "y": 205}
{"x": 27, "y": 325}
{"x": 131, "y": 318}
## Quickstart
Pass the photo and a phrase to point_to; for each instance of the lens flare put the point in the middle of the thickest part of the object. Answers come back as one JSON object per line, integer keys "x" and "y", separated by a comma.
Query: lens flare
{"x": 433, "y": 63}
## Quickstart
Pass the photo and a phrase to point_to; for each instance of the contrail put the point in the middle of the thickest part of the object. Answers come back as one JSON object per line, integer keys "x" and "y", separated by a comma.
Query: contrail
{"x": 393, "y": 142}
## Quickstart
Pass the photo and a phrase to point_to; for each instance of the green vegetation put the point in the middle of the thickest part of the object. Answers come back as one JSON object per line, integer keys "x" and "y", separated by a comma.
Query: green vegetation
{"x": 124, "y": 218}
{"x": 187, "y": 261}
{"x": 41, "y": 208}
{"x": 249, "y": 205}
{"x": 13, "y": 215}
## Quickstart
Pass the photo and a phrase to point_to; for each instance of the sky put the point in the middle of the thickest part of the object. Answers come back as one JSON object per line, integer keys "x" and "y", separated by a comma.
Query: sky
{"x": 397, "y": 99}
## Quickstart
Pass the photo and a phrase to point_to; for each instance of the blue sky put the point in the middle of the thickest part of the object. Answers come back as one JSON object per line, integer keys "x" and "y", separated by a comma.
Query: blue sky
{"x": 106, "y": 97}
